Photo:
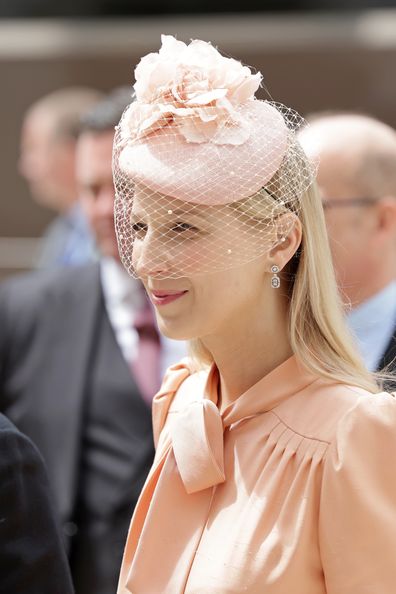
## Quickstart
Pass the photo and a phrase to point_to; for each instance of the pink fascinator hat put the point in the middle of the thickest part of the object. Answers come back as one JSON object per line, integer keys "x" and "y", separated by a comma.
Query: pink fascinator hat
{"x": 196, "y": 134}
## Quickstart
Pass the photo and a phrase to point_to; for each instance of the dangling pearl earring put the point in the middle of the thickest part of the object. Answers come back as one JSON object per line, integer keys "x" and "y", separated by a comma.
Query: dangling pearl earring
{"x": 275, "y": 280}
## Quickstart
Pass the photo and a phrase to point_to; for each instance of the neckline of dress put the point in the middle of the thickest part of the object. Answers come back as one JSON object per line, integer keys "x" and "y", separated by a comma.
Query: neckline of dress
{"x": 285, "y": 380}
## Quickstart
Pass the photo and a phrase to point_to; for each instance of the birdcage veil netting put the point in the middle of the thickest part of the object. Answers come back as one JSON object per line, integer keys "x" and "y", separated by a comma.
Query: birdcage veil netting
{"x": 206, "y": 175}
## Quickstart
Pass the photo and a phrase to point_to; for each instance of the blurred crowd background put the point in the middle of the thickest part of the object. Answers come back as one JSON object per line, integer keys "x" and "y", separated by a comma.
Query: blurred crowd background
{"x": 314, "y": 55}
{"x": 80, "y": 353}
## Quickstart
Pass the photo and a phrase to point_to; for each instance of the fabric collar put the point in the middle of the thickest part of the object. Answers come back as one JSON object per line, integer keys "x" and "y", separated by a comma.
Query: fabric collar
{"x": 196, "y": 426}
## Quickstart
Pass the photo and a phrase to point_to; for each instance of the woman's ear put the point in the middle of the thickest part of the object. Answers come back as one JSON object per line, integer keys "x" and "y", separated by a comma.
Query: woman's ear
{"x": 289, "y": 232}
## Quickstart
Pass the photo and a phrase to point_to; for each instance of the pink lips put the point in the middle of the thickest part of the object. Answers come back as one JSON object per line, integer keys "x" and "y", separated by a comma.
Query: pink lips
{"x": 165, "y": 297}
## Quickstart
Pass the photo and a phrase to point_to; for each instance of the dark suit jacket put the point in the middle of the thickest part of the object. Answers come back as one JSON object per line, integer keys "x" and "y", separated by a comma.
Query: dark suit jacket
{"x": 47, "y": 333}
{"x": 32, "y": 557}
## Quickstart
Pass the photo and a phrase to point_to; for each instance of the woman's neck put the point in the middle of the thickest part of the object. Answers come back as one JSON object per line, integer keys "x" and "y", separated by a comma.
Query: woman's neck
{"x": 248, "y": 349}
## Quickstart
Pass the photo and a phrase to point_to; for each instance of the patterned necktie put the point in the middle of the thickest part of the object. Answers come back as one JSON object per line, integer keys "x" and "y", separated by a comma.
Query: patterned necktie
{"x": 146, "y": 365}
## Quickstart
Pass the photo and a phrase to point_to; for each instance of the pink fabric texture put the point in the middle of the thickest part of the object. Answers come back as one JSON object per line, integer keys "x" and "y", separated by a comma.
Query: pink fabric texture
{"x": 226, "y": 172}
{"x": 193, "y": 86}
{"x": 291, "y": 490}
{"x": 196, "y": 132}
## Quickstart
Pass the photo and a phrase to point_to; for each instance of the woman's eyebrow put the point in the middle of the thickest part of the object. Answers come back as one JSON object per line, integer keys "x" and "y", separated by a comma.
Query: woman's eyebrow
{"x": 181, "y": 212}
{"x": 136, "y": 215}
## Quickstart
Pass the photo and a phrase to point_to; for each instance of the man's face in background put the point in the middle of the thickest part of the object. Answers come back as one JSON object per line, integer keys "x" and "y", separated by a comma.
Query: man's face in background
{"x": 47, "y": 161}
{"x": 350, "y": 219}
{"x": 96, "y": 189}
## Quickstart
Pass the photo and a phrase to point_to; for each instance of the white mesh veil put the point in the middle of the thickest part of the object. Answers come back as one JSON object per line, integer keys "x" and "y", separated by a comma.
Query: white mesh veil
{"x": 206, "y": 175}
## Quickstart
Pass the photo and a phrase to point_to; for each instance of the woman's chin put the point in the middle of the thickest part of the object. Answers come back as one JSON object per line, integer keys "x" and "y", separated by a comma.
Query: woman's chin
{"x": 172, "y": 330}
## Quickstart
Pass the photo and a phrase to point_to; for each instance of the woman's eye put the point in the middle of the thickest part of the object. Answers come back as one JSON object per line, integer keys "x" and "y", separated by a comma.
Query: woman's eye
{"x": 139, "y": 228}
{"x": 180, "y": 227}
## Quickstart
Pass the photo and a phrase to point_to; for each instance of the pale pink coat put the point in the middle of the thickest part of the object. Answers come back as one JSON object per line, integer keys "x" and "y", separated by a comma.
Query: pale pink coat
{"x": 292, "y": 490}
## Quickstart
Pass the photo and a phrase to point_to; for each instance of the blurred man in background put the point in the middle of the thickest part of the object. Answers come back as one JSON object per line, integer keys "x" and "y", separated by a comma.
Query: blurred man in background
{"x": 47, "y": 162}
{"x": 357, "y": 180}
{"x": 80, "y": 360}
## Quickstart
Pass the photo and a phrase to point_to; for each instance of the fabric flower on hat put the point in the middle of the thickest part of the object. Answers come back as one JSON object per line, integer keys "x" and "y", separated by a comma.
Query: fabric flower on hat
{"x": 193, "y": 87}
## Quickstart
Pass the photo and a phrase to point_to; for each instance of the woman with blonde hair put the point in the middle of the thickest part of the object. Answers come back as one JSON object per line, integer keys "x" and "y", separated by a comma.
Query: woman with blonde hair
{"x": 274, "y": 464}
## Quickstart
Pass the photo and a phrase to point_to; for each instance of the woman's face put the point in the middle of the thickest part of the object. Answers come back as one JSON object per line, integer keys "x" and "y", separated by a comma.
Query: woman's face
{"x": 184, "y": 255}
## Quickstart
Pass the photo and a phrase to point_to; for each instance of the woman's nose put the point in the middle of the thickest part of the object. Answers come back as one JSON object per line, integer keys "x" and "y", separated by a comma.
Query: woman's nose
{"x": 150, "y": 257}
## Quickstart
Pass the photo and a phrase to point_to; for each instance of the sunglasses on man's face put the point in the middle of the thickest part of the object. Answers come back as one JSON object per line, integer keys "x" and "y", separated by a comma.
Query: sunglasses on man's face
{"x": 331, "y": 203}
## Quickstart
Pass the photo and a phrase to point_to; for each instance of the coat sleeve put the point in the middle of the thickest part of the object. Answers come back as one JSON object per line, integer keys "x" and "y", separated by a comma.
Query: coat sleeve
{"x": 357, "y": 527}
{"x": 4, "y": 319}
{"x": 18, "y": 317}
{"x": 32, "y": 558}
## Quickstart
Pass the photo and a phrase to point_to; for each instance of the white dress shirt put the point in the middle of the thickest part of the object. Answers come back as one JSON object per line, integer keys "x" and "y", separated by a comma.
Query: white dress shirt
{"x": 124, "y": 297}
{"x": 373, "y": 324}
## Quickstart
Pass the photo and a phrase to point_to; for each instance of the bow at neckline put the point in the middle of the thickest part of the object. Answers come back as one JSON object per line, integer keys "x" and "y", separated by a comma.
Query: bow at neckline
{"x": 195, "y": 426}
{"x": 173, "y": 508}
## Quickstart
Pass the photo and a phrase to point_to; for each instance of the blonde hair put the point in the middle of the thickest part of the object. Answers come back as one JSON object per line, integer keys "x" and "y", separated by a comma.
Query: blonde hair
{"x": 317, "y": 330}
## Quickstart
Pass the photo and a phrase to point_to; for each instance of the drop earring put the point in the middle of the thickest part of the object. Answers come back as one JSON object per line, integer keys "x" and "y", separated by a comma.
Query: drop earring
{"x": 275, "y": 280}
